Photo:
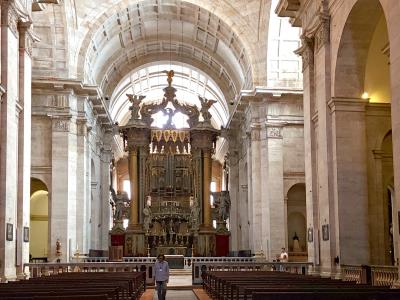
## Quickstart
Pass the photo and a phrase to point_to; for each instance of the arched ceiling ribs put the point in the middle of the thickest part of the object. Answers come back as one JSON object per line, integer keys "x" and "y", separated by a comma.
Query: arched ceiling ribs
{"x": 118, "y": 66}
{"x": 124, "y": 28}
{"x": 151, "y": 79}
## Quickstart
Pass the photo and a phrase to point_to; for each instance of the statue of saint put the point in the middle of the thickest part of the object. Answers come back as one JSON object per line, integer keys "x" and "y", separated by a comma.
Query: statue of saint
{"x": 296, "y": 245}
{"x": 224, "y": 205}
{"x": 147, "y": 218}
{"x": 195, "y": 215}
{"x": 58, "y": 248}
{"x": 119, "y": 209}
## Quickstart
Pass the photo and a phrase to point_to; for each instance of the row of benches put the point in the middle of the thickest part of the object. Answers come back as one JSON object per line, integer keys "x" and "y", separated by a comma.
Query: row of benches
{"x": 77, "y": 286}
{"x": 258, "y": 285}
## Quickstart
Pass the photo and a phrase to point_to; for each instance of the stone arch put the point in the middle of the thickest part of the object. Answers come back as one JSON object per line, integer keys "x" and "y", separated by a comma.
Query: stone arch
{"x": 355, "y": 40}
{"x": 224, "y": 11}
{"x": 39, "y": 220}
{"x": 297, "y": 218}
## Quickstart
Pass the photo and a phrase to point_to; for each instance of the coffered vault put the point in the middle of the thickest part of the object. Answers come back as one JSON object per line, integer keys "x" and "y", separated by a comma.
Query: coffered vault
{"x": 218, "y": 38}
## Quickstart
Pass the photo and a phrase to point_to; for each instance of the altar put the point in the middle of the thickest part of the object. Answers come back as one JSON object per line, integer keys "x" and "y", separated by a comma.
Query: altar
{"x": 170, "y": 171}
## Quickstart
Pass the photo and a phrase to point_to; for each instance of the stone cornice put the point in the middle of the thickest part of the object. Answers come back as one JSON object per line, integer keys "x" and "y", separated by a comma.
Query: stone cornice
{"x": 289, "y": 8}
{"x": 41, "y": 170}
{"x": 260, "y": 94}
{"x": 379, "y": 109}
{"x": 293, "y": 175}
{"x": 347, "y": 104}
{"x": 98, "y": 105}
{"x": 78, "y": 87}
{"x": 40, "y": 5}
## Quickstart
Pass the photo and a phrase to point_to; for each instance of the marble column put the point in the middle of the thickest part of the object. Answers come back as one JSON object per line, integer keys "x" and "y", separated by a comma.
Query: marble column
{"x": 137, "y": 138}
{"x": 24, "y": 146}
{"x": 202, "y": 141}
{"x": 133, "y": 178}
{"x": 273, "y": 194}
{"x": 234, "y": 186}
{"x": 350, "y": 179}
{"x": 310, "y": 155}
{"x": 83, "y": 185}
{"x": 207, "y": 222}
{"x": 105, "y": 216}
{"x": 9, "y": 138}
{"x": 329, "y": 247}
{"x": 62, "y": 208}
{"x": 256, "y": 182}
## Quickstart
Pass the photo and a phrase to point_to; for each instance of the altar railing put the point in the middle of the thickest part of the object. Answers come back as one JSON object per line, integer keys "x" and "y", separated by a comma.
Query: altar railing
{"x": 232, "y": 266}
{"x": 375, "y": 275}
{"x": 46, "y": 269}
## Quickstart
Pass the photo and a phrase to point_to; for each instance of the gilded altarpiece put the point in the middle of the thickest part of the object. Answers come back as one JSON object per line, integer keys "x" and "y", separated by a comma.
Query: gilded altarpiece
{"x": 170, "y": 176}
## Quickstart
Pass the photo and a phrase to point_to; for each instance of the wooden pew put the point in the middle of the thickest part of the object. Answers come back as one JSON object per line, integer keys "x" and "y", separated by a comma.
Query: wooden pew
{"x": 101, "y": 285}
{"x": 244, "y": 285}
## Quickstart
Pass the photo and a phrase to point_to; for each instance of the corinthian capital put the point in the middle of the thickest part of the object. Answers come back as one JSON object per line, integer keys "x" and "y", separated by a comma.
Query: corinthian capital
{"x": 322, "y": 34}
{"x": 306, "y": 51}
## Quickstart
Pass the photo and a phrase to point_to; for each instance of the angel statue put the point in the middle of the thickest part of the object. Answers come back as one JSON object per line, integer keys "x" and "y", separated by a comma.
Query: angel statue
{"x": 170, "y": 74}
{"x": 205, "y": 106}
{"x": 135, "y": 107}
{"x": 117, "y": 204}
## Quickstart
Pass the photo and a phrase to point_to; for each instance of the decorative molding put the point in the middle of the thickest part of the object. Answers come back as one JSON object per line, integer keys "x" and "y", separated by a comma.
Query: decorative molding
{"x": 39, "y": 218}
{"x": 306, "y": 51}
{"x": 347, "y": 104}
{"x": 27, "y": 38}
{"x": 255, "y": 134}
{"x": 41, "y": 170}
{"x": 18, "y": 108}
{"x": 81, "y": 127}
{"x": 12, "y": 20}
{"x": 314, "y": 118}
{"x": 322, "y": 34}
{"x": 378, "y": 153}
{"x": 274, "y": 132}
{"x": 291, "y": 175}
{"x": 61, "y": 125}
{"x": 379, "y": 109}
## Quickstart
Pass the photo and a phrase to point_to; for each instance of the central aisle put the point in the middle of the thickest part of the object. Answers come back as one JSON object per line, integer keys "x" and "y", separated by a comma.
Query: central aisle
{"x": 178, "y": 295}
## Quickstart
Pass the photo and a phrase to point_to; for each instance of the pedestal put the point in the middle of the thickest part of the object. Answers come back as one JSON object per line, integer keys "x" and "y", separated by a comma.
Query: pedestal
{"x": 222, "y": 244}
{"x": 135, "y": 243}
{"x": 206, "y": 243}
{"x": 116, "y": 253}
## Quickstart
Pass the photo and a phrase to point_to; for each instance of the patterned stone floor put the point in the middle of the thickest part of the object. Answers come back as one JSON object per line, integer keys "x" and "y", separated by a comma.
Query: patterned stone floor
{"x": 178, "y": 295}
{"x": 179, "y": 288}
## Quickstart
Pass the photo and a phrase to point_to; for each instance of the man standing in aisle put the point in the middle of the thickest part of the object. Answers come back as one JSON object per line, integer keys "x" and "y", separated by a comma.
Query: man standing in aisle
{"x": 161, "y": 273}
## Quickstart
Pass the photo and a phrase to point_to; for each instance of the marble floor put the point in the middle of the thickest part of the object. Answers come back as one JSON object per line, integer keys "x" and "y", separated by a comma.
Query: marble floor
{"x": 178, "y": 295}
{"x": 179, "y": 280}
{"x": 179, "y": 288}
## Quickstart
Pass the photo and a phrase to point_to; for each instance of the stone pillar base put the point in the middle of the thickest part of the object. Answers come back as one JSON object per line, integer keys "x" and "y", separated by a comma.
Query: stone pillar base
{"x": 334, "y": 273}
{"x": 135, "y": 243}
{"x": 205, "y": 242}
{"x": 313, "y": 270}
